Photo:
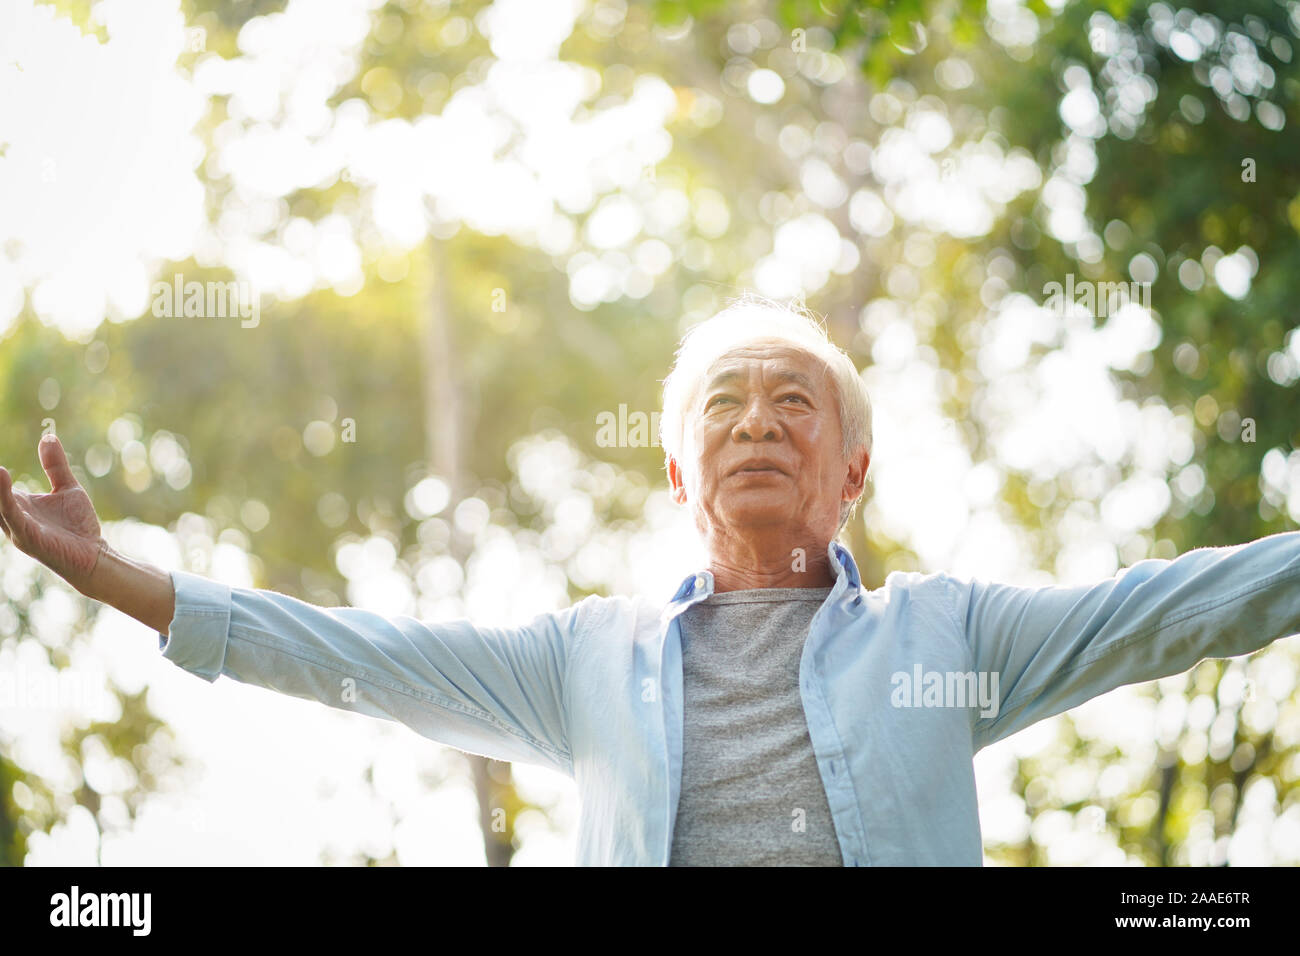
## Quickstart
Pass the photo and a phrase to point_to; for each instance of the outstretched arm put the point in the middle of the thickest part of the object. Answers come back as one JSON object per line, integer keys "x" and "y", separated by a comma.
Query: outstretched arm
{"x": 498, "y": 691}
{"x": 1056, "y": 647}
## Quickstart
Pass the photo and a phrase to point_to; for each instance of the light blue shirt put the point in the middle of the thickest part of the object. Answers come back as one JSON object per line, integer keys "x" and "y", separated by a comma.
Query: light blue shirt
{"x": 890, "y": 681}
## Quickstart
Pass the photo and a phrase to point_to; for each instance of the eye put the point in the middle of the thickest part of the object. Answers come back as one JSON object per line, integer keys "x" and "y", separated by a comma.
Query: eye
{"x": 795, "y": 396}
{"x": 717, "y": 398}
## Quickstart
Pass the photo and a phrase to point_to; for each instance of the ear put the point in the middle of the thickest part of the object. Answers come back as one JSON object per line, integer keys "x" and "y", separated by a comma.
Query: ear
{"x": 856, "y": 479}
{"x": 676, "y": 481}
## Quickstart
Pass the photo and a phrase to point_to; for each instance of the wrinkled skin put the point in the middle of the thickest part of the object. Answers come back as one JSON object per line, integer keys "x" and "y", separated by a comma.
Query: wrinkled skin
{"x": 59, "y": 528}
{"x": 764, "y": 469}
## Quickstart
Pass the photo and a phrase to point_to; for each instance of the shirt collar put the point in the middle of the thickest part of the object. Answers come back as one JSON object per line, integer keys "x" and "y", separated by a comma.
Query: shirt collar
{"x": 697, "y": 586}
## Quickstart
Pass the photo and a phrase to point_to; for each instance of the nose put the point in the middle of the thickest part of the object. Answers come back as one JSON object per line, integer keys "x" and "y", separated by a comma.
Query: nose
{"x": 759, "y": 419}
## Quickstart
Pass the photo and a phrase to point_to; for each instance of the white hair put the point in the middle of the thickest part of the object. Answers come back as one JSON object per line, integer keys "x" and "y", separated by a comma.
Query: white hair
{"x": 751, "y": 320}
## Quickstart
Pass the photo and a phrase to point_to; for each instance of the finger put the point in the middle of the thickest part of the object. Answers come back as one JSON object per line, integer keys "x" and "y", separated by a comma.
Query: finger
{"x": 4, "y": 479}
{"x": 55, "y": 462}
{"x": 9, "y": 512}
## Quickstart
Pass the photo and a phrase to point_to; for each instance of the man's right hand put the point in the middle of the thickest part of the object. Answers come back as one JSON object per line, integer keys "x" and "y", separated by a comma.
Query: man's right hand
{"x": 58, "y": 529}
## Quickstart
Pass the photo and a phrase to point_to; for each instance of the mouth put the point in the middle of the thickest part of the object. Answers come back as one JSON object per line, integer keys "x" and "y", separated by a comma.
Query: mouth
{"x": 757, "y": 468}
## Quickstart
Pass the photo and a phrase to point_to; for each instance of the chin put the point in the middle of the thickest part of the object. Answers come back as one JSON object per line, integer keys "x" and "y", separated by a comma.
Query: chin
{"x": 761, "y": 516}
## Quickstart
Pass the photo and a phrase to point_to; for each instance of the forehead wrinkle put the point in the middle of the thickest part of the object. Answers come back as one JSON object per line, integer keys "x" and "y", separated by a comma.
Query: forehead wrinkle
{"x": 799, "y": 378}
{"x": 727, "y": 376}
{"x": 724, "y": 378}
{"x": 735, "y": 364}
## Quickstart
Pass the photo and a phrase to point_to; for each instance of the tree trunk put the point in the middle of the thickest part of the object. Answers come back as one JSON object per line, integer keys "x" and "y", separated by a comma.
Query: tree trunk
{"x": 443, "y": 432}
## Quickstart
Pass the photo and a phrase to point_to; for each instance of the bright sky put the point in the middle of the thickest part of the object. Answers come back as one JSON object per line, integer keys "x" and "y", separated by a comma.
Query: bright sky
{"x": 85, "y": 231}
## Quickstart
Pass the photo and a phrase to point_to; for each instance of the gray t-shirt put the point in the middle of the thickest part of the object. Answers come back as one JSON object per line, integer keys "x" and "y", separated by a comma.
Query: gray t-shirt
{"x": 751, "y": 792}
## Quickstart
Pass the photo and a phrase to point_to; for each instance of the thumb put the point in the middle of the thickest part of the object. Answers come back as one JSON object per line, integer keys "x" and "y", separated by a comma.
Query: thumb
{"x": 55, "y": 462}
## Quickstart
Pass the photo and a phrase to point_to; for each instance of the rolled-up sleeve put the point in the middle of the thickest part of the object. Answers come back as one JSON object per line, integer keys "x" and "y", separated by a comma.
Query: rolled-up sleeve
{"x": 1053, "y": 648}
{"x": 496, "y": 691}
{"x": 196, "y": 637}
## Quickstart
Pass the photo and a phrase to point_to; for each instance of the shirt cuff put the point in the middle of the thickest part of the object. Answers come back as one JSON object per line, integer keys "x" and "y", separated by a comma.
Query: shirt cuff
{"x": 196, "y": 637}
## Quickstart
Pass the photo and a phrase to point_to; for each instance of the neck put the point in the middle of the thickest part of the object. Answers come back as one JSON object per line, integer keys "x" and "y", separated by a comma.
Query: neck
{"x": 747, "y": 564}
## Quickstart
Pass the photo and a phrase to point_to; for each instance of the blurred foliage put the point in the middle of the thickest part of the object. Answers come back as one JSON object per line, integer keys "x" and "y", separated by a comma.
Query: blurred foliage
{"x": 1167, "y": 185}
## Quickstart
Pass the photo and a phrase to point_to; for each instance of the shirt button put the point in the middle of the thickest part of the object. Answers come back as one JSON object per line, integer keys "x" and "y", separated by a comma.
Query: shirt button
{"x": 699, "y": 581}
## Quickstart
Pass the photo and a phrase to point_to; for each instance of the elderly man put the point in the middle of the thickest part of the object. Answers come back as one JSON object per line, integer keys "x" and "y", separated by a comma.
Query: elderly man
{"x": 774, "y": 711}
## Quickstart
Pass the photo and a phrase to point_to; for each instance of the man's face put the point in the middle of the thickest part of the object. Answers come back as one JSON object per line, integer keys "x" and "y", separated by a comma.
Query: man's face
{"x": 763, "y": 445}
